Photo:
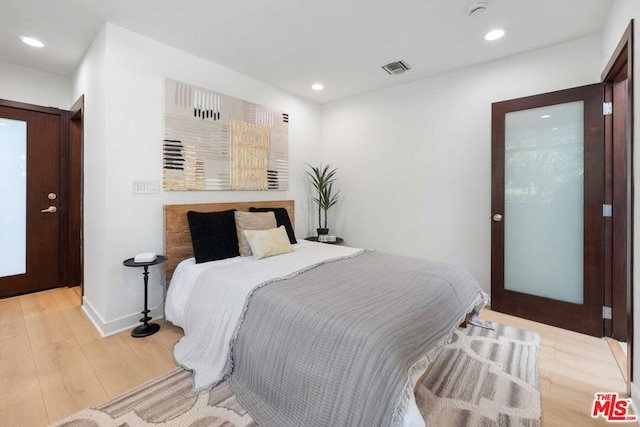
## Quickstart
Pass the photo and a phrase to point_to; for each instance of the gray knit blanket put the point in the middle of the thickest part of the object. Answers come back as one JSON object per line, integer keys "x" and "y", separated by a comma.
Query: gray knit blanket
{"x": 335, "y": 346}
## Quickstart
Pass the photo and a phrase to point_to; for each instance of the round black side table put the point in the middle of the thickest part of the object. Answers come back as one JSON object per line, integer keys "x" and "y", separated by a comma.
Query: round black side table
{"x": 146, "y": 328}
{"x": 333, "y": 242}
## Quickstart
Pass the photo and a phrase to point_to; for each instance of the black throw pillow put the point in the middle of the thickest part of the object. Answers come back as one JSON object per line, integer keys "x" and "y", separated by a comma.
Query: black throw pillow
{"x": 282, "y": 218}
{"x": 213, "y": 235}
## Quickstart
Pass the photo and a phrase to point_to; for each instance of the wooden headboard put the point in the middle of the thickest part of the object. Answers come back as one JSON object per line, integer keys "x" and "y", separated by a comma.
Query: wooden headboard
{"x": 177, "y": 237}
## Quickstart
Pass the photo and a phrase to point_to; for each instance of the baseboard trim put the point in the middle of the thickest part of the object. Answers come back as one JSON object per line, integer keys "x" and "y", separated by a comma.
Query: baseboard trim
{"x": 116, "y": 326}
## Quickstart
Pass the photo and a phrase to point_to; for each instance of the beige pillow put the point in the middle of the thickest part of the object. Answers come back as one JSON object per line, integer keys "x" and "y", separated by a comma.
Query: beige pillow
{"x": 266, "y": 243}
{"x": 252, "y": 221}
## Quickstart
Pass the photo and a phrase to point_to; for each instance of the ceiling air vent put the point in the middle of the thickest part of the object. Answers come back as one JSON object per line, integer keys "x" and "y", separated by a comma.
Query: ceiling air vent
{"x": 395, "y": 68}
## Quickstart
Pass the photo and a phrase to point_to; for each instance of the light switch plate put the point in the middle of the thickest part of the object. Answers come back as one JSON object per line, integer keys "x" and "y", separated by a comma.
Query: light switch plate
{"x": 145, "y": 186}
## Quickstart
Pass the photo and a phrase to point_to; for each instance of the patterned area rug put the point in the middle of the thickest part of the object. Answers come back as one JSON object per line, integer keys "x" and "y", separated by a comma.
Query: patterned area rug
{"x": 482, "y": 378}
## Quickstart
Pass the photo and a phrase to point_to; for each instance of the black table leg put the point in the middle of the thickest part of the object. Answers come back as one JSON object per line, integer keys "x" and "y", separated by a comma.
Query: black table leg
{"x": 146, "y": 328}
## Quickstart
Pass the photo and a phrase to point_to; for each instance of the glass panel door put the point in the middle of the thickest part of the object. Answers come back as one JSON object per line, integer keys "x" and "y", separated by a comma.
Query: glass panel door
{"x": 30, "y": 141}
{"x": 544, "y": 201}
{"x": 13, "y": 181}
{"x": 547, "y": 193}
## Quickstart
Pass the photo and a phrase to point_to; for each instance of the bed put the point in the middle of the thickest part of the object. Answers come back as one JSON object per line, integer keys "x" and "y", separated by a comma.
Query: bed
{"x": 316, "y": 334}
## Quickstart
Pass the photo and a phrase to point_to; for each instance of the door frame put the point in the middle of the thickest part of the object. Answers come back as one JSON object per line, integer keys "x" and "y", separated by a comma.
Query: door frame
{"x": 76, "y": 193}
{"x": 70, "y": 192}
{"x": 619, "y": 134}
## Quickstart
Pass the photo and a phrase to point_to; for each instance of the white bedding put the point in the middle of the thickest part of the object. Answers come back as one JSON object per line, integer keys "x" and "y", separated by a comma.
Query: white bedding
{"x": 186, "y": 274}
{"x": 207, "y": 300}
{"x": 182, "y": 283}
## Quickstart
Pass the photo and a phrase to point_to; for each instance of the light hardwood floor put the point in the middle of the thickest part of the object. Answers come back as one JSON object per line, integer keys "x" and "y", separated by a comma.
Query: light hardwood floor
{"x": 54, "y": 363}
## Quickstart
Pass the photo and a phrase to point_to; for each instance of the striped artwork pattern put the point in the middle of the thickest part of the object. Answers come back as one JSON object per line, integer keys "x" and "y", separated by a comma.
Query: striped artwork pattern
{"x": 217, "y": 142}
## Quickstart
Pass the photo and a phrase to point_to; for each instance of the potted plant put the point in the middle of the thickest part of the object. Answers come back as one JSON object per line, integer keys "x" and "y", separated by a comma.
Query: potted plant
{"x": 322, "y": 179}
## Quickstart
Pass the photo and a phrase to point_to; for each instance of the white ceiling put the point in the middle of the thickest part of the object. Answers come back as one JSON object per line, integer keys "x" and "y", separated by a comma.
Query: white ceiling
{"x": 291, "y": 44}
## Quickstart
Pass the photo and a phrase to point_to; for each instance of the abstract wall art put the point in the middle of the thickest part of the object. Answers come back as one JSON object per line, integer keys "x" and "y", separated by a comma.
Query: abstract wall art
{"x": 217, "y": 142}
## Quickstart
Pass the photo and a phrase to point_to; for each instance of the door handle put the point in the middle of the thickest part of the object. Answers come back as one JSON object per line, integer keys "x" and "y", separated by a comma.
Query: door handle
{"x": 50, "y": 209}
{"x": 497, "y": 217}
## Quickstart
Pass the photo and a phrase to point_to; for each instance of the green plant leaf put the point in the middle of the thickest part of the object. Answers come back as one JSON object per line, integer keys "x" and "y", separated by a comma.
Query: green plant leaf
{"x": 322, "y": 179}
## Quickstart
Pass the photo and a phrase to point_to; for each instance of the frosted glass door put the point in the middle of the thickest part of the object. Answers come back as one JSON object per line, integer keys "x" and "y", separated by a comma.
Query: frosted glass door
{"x": 13, "y": 181}
{"x": 29, "y": 186}
{"x": 544, "y": 202}
{"x": 547, "y": 193}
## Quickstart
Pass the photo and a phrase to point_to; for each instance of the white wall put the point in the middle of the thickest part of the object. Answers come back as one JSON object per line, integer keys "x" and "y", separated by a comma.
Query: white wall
{"x": 122, "y": 78}
{"x": 34, "y": 87}
{"x": 90, "y": 80}
{"x": 621, "y": 13}
{"x": 415, "y": 160}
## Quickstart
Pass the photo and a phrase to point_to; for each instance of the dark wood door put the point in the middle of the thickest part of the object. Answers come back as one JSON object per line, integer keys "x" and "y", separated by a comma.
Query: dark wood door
{"x": 31, "y": 254}
{"x": 545, "y": 166}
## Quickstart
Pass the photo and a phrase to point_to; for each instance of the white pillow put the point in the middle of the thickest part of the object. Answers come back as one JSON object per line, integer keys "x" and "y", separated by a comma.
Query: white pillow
{"x": 266, "y": 243}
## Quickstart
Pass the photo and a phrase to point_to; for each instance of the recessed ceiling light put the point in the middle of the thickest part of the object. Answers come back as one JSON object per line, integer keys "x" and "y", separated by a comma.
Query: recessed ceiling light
{"x": 545, "y": 116}
{"x": 31, "y": 41}
{"x": 317, "y": 86}
{"x": 494, "y": 34}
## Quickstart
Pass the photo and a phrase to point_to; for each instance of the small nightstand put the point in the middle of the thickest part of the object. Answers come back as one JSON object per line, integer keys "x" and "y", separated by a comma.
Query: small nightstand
{"x": 315, "y": 239}
{"x": 146, "y": 328}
